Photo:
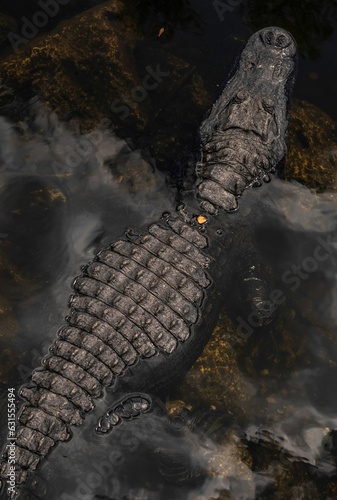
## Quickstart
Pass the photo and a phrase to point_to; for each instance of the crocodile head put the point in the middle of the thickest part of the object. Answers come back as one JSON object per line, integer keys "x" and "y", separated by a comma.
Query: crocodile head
{"x": 244, "y": 136}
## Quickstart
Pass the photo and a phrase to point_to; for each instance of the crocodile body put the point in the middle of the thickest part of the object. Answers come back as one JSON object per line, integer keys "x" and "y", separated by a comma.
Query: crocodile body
{"x": 144, "y": 309}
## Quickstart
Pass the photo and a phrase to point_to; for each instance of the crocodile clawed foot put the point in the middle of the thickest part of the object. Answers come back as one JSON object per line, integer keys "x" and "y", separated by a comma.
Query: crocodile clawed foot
{"x": 127, "y": 408}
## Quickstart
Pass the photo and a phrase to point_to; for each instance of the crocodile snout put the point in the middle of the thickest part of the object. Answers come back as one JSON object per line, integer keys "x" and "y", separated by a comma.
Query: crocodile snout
{"x": 278, "y": 39}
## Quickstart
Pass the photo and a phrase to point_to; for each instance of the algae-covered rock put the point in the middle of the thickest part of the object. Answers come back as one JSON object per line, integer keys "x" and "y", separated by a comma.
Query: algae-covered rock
{"x": 96, "y": 65}
{"x": 215, "y": 379}
{"x": 9, "y": 329}
{"x": 312, "y": 156}
{"x": 78, "y": 69}
{"x": 8, "y": 324}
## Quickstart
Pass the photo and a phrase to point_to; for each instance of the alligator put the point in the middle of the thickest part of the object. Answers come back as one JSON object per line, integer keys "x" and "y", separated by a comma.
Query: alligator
{"x": 144, "y": 308}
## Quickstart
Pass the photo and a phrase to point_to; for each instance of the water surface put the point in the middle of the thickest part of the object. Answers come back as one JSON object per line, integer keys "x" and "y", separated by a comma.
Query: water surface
{"x": 66, "y": 193}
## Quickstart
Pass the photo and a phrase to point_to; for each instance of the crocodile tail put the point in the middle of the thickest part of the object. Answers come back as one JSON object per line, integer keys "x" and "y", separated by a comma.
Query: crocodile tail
{"x": 135, "y": 301}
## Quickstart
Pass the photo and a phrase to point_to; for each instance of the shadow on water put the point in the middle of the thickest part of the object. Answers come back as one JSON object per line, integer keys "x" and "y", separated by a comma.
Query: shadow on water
{"x": 261, "y": 402}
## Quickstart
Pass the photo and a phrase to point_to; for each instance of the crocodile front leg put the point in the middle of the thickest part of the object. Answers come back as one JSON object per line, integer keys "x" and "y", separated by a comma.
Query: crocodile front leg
{"x": 251, "y": 285}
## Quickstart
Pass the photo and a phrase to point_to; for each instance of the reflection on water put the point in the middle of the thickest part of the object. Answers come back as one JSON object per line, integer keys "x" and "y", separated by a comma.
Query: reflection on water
{"x": 63, "y": 195}
{"x": 276, "y": 383}
{"x": 295, "y": 368}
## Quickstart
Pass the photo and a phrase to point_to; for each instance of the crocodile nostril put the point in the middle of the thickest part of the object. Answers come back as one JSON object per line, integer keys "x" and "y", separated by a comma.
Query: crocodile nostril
{"x": 269, "y": 38}
{"x": 276, "y": 38}
{"x": 281, "y": 41}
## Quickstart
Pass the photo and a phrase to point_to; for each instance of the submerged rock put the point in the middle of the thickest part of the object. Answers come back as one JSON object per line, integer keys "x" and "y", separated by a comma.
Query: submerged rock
{"x": 97, "y": 65}
{"x": 312, "y": 156}
{"x": 76, "y": 69}
{"x": 215, "y": 379}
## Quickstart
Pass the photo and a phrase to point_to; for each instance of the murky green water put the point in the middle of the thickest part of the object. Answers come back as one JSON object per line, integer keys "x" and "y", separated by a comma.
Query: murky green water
{"x": 69, "y": 186}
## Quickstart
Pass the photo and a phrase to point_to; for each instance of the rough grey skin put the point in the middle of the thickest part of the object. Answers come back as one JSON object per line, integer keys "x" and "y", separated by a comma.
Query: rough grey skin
{"x": 243, "y": 138}
{"x": 144, "y": 309}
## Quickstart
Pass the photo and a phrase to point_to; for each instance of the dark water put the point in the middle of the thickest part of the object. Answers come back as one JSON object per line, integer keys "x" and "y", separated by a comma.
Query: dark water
{"x": 65, "y": 194}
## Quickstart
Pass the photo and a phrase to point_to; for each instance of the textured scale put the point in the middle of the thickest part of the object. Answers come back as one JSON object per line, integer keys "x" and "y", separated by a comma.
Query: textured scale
{"x": 27, "y": 459}
{"x": 187, "y": 232}
{"x": 60, "y": 385}
{"x": 85, "y": 360}
{"x": 49, "y": 425}
{"x": 176, "y": 279}
{"x": 101, "y": 350}
{"x": 139, "y": 295}
{"x": 178, "y": 261}
{"x": 34, "y": 441}
{"x": 107, "y": 334}
{"x": 145, "y": 278}
{"x": 116, "y": 322}
{"x": 179, "y": 244}
{"x": 74, "y": 373}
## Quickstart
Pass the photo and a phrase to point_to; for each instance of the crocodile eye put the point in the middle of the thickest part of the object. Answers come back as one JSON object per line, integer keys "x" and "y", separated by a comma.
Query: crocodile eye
{"x": 268, "y": 105}
{"x": 239, "y": 97}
